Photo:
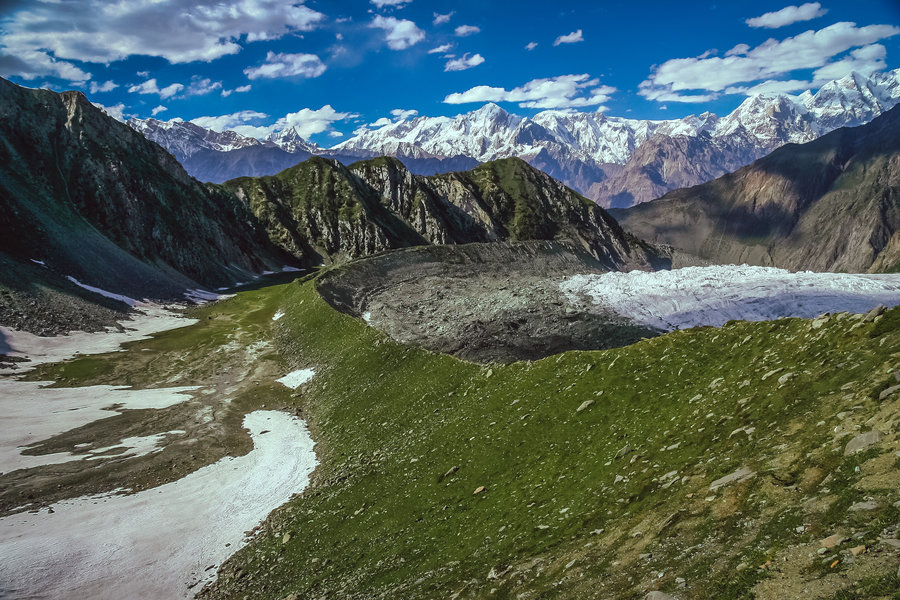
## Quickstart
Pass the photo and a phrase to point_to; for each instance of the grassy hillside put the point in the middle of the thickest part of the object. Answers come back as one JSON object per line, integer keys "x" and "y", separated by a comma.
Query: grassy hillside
{"x": 586, "y": 474}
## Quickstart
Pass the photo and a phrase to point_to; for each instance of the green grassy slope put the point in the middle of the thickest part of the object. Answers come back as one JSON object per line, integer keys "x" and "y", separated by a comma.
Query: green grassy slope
{"x": 606, "y": 502}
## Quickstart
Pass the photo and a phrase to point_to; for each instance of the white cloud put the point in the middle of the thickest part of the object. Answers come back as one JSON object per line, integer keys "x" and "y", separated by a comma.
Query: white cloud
{"x": 438, "y": 18}
{"x": 771, "y": 87}
{"x": 158, "y": 110}
{"x": 531, "y": 45}
{"x": 200, "y": 86}
{"x": 441, "y": 49}
{"x": 565, "y": 91}
{"x": 380, "y": 123}
{"x": 150, "y": 87}
{"x": 390, "y": 3}
{"x": 226, "y": 122}
{"x": 335, "y": 134}
{"x": 402, "y": 114}
{"x": 742, "y": 65}
{"x": 464, "y": 30}
{"x": 788, "y": 15}
{"x": 399, "y": 33}
{"x": 38, "y": 40}
{"x": 309, "y": 122}
{"x": 116, "y": 111}
{"x": 108, "y": 86}
{"x": 464, "y": 62}
{"x": 238, "y": 90}
{"x": 865, "y": 60}
{"x": 570, "y": 38}
{"x": 279, "y": 64}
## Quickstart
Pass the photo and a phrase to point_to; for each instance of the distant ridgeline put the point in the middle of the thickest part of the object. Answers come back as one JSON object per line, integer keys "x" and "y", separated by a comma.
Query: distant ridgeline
{"x": 832, "y": 204}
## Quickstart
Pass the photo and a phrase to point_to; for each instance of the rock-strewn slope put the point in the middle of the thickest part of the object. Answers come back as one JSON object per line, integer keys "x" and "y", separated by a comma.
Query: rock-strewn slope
{"x": 375, "y": 205}
{"x": 827, "y": 205}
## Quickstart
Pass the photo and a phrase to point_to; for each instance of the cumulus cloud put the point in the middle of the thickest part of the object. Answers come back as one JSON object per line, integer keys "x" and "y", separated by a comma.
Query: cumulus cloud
{"x": 788, "y": 15}
{"x": 380, "y": 123}
{"x": 238, "y": 90}
{"x": 531, "y": 45}
{"x": 463, "y": 62}
{"x": 401, "y": 114}
{"x": 865, "y": 60}
{"x": 116, "y": 111}
{"x": 200, "y": 86}
{"x": 464, "y": 30}
{"x": 279, "y": 64}
{"x": 158, "y": 110}
{"x": 443, "y": 49}
{"x": 743, "y": 66}
{"x": 565, "y": 91}
{"x": 771, "y": 87}
{"x": 399, "y": 33}
{"x": 107, "y": 86}
{"x": 390, "y": 3}
{"x": 228, "y": 122}
{"x": 40, "y": 39}
{"x": 150, "y": 87}
{"x": 438, "y": 18}
{"x": 571, "y": 38}
{"x": 335, "y": 134}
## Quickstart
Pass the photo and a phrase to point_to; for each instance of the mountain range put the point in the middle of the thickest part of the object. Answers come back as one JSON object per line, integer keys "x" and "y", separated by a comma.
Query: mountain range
{"x": 614, "y": 161}
{"x": 832, "y": 204}
{"x": 87, "y": 197}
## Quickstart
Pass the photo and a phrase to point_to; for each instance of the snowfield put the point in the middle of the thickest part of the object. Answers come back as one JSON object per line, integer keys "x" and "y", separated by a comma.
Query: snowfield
{"x": 158, "y": 543}
{"x": 695, "y": 296}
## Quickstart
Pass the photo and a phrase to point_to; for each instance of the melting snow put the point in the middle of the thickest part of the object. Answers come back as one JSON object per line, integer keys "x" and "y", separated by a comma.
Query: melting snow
{"x": 30, "y": 413}
{"x": 295, "y": 379}
{"x": 695, "y": 296}
{"x": 96, "y": 290}
{"x": 278, "y": 315}
{"x": 159, "y": 542}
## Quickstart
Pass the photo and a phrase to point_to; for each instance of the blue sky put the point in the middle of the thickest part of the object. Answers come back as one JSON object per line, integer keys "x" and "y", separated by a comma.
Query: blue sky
{"x": 332, "y": 67}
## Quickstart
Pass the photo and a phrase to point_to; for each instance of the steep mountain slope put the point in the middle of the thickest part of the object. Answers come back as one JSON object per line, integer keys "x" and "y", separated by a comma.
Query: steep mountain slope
{"x": 827, "y": 205}
{"x": 92, "y": 199}
{"x": 378, "y": 204}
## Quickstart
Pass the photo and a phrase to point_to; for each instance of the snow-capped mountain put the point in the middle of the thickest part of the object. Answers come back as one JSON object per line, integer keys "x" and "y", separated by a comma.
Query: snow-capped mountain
{"x": 620, "y": 162}
{"x": 184, "y": 139}
{"x": 615, "y": 161}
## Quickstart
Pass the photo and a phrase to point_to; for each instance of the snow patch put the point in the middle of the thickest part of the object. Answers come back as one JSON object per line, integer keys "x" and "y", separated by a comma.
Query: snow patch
{"x": 695, "y": 296}
{"x": 104, "y": 293}
{"x": 37, "y": 262}
{"x": 40, "y": 350}
{"x": 163, "y": 538}
{"x": 278, "y": 315}
{"x": 32, "y": 413}
{"x": 199, "y": 296}
{"x": 295, "y": 379}
{"x": 287, "y": 269}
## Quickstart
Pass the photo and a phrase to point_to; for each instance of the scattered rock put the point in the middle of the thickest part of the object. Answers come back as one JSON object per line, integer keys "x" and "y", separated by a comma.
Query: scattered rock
{"x": 623, "y": 451}
{"x": 858, "y": 550}
{"x": 656, "y": 595}
{"x": 584, "y": 405}
{"x": 834, "y": 540}
{"x": 867, "y": 505}
{"x": 739, "y": 475}
{"x": 888, "y": 392}
{"x": 785, "y": 378}
{"x": 286, "y": 538}
{"x": 895, "y": 544}
{"x": 479, "y": 489}
{"x": 875, "y": 312}
{"x": 862, "y": 441}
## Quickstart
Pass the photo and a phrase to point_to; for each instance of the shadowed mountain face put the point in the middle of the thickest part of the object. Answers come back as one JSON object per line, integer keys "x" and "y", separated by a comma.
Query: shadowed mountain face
{"x": 93, "y": 199}
{"x": 827, "y": 205}
{"x": 375, "y": 205}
